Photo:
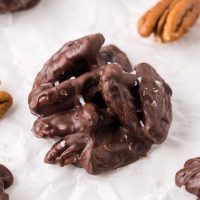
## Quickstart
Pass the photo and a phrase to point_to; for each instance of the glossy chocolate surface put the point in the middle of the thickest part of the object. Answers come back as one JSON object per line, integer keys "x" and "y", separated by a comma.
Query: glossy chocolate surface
{"x": 105, "y": 114}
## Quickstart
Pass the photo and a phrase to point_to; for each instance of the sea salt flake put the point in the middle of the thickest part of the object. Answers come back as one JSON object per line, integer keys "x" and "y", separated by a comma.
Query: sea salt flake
{"x": 116, "y": 64}
{"x": 64, "y": 92}
{"x": 62, "y": 143}
{"x": 158, "y": 83}
{"x": 155, "y": 91}
{"x": 144, "y": 93}
{"x": 56, "y": 83}
{"x": 125, "y": 136}
{"x": 130, "y": 146}
{"x": 108, "y": 109}
{"x": 141, "y": 123}
{"x": 154, "y": 104}
{"x": 135, "y": 83}
{"x": 81, "y": 100}
{"x": 73, "y": 77}
{"x": 133, "y": 72}
{"x": 139, "y": 79}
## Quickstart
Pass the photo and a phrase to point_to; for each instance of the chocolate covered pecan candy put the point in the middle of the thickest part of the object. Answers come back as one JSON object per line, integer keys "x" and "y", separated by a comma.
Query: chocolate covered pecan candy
{"x": 189, "y": 176}
{"x": 105, "y": 113}
{"x": 15, "y": 5}
{"x": 6, "y": 180}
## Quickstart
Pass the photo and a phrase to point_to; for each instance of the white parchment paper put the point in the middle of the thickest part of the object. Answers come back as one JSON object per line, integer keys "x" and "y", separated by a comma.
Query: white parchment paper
{"x": 29, "y": 38}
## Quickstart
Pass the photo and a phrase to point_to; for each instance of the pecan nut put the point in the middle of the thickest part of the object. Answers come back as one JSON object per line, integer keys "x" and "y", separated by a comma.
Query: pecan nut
{"x": 106, "y": 114}
{"x": 6, "y": 180}
{"x": 6, "y": 102}
{"x": 169, "y": 20}
{"x": 189, "y": 176}
{"x": 15, "y": 5}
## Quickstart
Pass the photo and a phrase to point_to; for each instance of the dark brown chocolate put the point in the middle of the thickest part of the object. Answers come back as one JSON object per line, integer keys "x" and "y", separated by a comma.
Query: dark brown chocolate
{"x": 15, "y": 5}
{"x": 105, "y": 114}
{"x": 189, "y": 177}
{"x": 6, "y": 180}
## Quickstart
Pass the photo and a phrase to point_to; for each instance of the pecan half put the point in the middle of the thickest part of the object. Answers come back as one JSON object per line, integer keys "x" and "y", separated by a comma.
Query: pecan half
{"x": 6, "y": 102}
{"x": 169, "y": 20}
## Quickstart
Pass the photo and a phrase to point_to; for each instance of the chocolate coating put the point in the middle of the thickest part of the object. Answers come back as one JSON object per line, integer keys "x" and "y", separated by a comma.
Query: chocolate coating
{"x": 15, "y": 5}
{"x": 105, "y": 114}
{"x": 112, "y": 54}
{"x": 189, "y": 177}
{"x": 6, "y": 180}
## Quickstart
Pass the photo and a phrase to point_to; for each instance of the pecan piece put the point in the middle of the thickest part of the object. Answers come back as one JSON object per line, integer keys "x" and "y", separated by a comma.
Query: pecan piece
{"x": 148, "y": 21}
{"x": 181, "y": 18}
{"x": 169, "y": 20}
{"x": 189, "y": 176}
{"x": 5, "y": 102}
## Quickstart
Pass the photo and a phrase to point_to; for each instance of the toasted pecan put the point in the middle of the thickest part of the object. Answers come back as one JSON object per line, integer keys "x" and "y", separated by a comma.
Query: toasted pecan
{"x": 169, "y": 20}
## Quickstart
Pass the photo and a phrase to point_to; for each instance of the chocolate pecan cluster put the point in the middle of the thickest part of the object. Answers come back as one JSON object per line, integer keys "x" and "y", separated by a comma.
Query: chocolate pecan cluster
{"x": 105, "y": 114}
{"x": 189, "y": 177}
{"x": 15, "y": 5}
{"x": 6, "y": 180}
{"x": 169, "y": 20}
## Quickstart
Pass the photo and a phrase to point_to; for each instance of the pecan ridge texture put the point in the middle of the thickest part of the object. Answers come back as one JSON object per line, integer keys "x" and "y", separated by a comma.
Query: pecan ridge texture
{"x": 105, "y": 113}
{"x": 169, "y": 20}
{"x": 189, "y": 176}
{"x": 6, "y": 180}
{"x": 6, "y": 102}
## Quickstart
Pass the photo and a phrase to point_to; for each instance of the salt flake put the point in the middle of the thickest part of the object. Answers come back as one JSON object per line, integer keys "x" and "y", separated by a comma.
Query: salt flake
{"x": 116, "y": 64}
{"x": 135, "y": 83}
{"x": 158, "y": 83}
{"x": 155, "y": 91}
{"x": 130, "y": 146}
{"x": 64, "y": 92}
{"x": 154, "y": 104}
{"x": 139, "y": 79}
{"x": 56, "y": 83}
{"x": 62, "y": 143}
{"x": 133, "y": 72}
{"x": 141, "y": 123}
{"x": 81, "y": 100}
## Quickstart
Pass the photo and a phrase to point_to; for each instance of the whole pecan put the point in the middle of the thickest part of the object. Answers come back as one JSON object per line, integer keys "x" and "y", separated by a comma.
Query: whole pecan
{"x": 106, "y": 114}
{"x": 15, "y": 5}
{"x": 169, "y": 20}
{"x": 5, "y": 102}
{"x": 189, "y": 176}
{"x": 6, "y": 180}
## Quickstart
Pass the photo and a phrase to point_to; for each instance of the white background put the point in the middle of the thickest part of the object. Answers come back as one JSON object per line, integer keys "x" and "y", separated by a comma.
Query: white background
{"x": 29, "y": 38}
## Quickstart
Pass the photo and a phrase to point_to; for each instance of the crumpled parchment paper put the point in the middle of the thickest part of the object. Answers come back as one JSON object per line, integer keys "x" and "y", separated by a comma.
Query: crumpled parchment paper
{"x": 29, "y": 38}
